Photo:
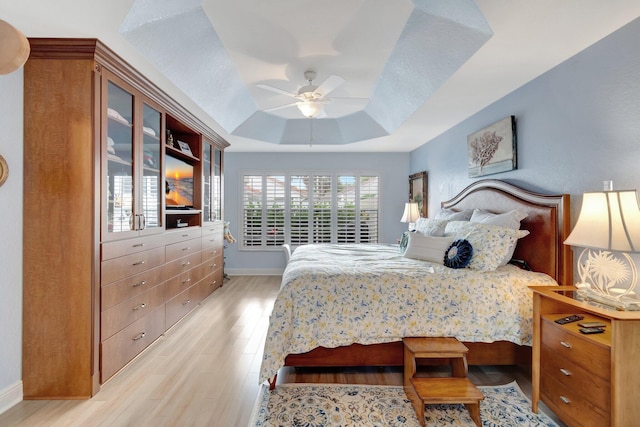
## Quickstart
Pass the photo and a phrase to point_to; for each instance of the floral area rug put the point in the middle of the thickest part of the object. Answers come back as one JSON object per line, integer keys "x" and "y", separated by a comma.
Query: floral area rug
{"x": 324, "y": 405}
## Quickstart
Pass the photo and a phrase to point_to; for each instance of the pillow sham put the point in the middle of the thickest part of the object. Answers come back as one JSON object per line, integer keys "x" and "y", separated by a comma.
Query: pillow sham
{"x": 509, "y": 219}
{"x": 452, "y": 215}
{"x": 493, "y": 245}
{"x": 431, "y": 227}
{"x": 427, "y": 248}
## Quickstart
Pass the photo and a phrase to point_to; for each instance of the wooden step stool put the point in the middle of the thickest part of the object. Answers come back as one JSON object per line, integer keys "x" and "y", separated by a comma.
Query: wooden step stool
{"x": 441, "y": 390}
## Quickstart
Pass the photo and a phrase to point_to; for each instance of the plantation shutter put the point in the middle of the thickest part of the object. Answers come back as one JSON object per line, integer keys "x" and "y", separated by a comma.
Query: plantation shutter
{"x": 299, "y": 210}
{"x": 309, "y": 208}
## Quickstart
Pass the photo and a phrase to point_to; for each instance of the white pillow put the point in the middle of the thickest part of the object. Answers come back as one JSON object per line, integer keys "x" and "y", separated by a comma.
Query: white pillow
{"x": 427, "y": 248}
{"x": 452, "y": 215}
{"x": 509, "y": 219}
{"x": 493, "y": 245}
{"x": 431, "y": 227}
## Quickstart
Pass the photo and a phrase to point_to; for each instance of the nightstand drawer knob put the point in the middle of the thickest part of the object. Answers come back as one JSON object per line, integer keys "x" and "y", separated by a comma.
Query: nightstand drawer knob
{"x": 565, "y": 400}
{"x": 565, "y": 372}
{"x": 565, "y": 344}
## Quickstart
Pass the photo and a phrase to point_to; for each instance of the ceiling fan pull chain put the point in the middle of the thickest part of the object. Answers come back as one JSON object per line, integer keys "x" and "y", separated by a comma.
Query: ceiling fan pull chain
{"x": 310, "y": 131}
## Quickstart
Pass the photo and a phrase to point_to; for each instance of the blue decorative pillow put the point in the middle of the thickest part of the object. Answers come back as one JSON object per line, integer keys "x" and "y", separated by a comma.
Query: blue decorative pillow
{"x": 459, "y": 254}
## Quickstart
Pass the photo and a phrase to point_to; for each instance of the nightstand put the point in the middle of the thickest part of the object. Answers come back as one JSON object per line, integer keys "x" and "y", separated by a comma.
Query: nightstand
{"x": 587, "y": 380}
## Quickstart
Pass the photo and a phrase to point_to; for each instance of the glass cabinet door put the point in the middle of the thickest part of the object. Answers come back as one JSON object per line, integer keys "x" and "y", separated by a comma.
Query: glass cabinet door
{"x": 132, "y": 168}
{"x": 151, "y": 167}
{"x": 119, "y": 166}
{"x": 207, "y": 173}
{"x": 217, "y": 185}
{"x": 212, "y": 183}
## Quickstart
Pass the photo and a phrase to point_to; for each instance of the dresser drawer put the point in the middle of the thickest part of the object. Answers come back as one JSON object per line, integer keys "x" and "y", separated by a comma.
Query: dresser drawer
{"x": 183, "y": 281}
{"x": 182, "y": 249}
{"x": 116, "y": 292}
{"x": 125, "y": 266}
{"x": 213, "y": 228}
{"x": 182, "y": 234}
{"x": 212, "y": 240}
{"x": 122, "y": 315}
{"x": 182, "y": 265}
{"x": 571, "y": 405}
{"x": 181, "y": 304}
{"x": 580, "y": 350}
{"x": 118, "y": 350}
{"x": 591, "y": 387}
{"x": 211, "y": 265}
{"x": 120, "y": 248}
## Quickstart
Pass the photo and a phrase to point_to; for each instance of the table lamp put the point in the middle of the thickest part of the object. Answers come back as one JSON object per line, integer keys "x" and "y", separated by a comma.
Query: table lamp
{"x": 411, "y": 215}
{"x": 608, "y": 228}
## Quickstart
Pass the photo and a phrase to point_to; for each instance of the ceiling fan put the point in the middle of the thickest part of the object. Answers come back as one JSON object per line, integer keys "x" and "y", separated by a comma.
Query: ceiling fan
{"x": 311, "y": 98}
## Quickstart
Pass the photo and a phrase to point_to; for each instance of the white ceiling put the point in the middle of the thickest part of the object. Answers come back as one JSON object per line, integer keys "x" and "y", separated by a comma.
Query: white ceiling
{"x": 248, "y": 42}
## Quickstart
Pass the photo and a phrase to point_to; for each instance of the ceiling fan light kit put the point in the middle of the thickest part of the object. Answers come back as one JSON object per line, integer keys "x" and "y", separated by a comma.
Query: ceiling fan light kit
{"x": 310, "y": 109}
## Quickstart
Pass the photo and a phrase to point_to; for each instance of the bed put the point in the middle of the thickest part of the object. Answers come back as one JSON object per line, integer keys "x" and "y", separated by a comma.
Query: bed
{"x": 350, "y": 305}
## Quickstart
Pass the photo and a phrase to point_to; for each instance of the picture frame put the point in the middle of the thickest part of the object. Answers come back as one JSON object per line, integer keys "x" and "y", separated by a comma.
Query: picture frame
{"x": 418, "y": 191}
{"x": 184, "y": 147}
{"x": 492, "y": 149}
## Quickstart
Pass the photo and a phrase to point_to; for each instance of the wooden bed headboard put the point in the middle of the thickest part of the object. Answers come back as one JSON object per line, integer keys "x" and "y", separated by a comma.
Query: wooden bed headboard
{"x": 547, "y": 221}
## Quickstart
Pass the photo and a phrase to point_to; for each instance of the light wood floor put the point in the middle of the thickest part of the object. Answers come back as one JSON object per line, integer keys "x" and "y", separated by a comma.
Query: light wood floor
{"x": 204, "y": 371}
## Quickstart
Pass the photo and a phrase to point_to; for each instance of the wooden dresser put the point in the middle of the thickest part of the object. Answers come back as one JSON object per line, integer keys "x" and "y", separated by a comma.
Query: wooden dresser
{"x": 587, "y": 380}
{"x": 107, "y": 267}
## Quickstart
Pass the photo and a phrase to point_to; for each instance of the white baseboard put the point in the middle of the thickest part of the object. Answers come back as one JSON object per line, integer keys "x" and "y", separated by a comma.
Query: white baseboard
{"x": 10, "y": 396}
{"x": 253, "y": 272}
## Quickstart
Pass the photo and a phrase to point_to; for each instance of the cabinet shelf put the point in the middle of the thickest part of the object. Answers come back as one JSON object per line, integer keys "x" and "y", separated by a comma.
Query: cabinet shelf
{"x": 181, "y": 154}
{"x": 182, "y": 211}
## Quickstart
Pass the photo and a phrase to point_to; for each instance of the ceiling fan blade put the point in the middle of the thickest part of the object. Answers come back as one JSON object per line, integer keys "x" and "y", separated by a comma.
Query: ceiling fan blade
{"x": 276, "y": 90}
{"x": 329, "y": 85}
{"x": 280, "y": 107}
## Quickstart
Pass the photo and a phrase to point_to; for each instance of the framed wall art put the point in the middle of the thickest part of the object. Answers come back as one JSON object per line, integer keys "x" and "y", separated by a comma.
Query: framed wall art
{"x": 492, "y": 149}
{"x": 418, "y": 191}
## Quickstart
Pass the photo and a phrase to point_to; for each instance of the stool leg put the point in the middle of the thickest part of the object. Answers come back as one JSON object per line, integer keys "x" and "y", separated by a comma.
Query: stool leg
{"x": 474, "y": 411}
{"x": 416, "y": 402}
{"x": 459, "y": 367}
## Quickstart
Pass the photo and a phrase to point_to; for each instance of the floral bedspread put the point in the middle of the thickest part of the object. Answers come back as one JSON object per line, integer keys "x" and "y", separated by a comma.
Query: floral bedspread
{"x": 335, "y": 295}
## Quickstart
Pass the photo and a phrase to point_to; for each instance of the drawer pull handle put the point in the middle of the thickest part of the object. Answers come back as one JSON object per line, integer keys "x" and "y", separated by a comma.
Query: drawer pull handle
{"x": 138, "y": 245}
{"x": 140, "y": 307}
{"x": 185, "y": 235}
{"x": 186, "y": 263}
{"x": 139, "y": 263}
{"x": 565, "y": 344}
{"x": 565, "y": 372}
{"x": 187, "y": 248}
{"x": 213, "y": 282}
{"x": 186, "y": 281}
{"x": 565, "y": 400}
{"x": 186, "y": 302}
{"x": 144, "y": 282}
{"x": 139, "y": 336}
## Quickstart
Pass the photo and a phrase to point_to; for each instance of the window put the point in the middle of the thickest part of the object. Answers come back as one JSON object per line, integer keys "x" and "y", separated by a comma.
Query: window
{"x": 309, "y": 208}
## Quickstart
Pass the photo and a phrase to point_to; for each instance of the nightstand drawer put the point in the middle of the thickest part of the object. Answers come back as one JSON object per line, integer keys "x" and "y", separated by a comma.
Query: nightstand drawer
{"x": 572, "y": 404}
{"x": 578, "y": 349}
{"x": 593, "y": 388}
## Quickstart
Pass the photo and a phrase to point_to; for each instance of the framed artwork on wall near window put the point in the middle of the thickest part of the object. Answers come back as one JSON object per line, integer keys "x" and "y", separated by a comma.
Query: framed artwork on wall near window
{"x": 418, "y": 191}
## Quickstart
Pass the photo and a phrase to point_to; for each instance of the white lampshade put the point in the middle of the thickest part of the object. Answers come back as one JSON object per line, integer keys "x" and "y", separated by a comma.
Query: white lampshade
{"x": 411, "y": 213}
{"x": 310, "y": 108}
{"x": 608, "y": 220}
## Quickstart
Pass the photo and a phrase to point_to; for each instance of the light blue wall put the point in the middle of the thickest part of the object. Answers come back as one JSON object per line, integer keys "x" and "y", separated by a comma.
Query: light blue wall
{"x": 394, "y": 169}
{"x": 11, "y": 241}
{"x": 577, "y": 125}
